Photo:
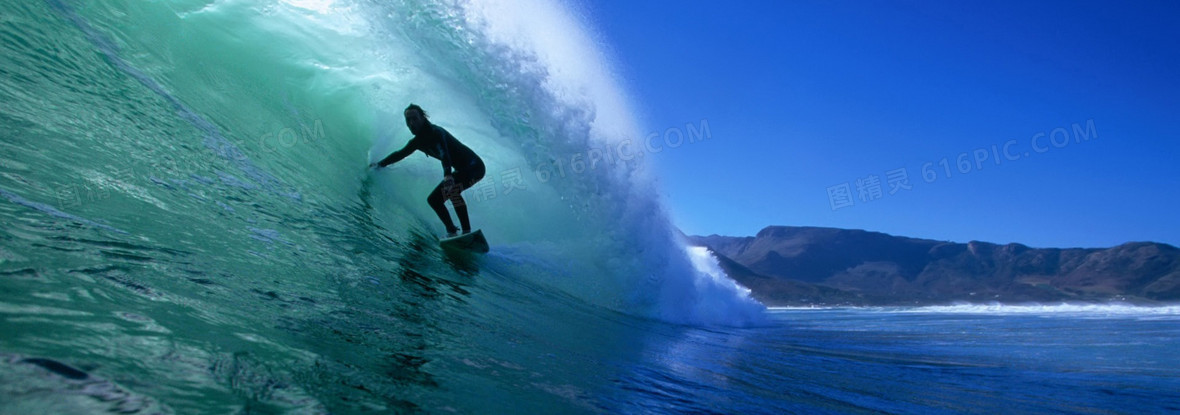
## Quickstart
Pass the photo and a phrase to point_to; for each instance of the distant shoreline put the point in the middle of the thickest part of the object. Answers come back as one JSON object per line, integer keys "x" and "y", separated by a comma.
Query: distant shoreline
{"x": 811, "y": 266}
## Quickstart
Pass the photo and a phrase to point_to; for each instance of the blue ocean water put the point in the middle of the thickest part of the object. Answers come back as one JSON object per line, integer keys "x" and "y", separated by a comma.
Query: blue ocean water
{"x": 984, "y": 358}
{"x": 190, "y": 227}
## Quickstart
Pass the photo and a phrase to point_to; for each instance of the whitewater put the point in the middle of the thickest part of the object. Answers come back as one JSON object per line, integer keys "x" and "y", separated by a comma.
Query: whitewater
{"x": 190, "y": 226}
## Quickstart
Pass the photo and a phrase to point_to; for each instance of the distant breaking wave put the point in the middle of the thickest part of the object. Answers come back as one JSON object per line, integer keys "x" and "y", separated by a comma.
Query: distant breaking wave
{"x": 1090, "y": 310}
{"x": 1064, "y": 308}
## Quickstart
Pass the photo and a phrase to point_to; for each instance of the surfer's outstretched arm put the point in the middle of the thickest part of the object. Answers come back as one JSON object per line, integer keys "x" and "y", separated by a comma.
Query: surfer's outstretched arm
{"x": 398, "y": 155}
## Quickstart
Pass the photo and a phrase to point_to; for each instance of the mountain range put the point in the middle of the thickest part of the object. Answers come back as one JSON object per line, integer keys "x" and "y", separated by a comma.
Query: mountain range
{"x": 796, "y": 266}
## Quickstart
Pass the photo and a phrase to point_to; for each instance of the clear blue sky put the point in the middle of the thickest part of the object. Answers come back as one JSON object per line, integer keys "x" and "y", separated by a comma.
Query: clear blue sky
{"x": 802, "y": 97}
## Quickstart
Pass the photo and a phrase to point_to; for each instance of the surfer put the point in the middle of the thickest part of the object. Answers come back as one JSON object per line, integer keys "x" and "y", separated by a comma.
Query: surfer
{"x": 462, "y": 168}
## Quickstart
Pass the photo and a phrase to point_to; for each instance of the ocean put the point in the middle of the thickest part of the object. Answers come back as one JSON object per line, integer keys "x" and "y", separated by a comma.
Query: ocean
{"x": 190, "y": 226}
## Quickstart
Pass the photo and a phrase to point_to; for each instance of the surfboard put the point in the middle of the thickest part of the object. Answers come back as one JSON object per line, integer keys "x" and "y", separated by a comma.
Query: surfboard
{"x": 474, "y": 242}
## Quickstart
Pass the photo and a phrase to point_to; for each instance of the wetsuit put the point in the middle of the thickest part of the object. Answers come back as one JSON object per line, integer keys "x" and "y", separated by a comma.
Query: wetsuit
{"x": 467, "y": 168}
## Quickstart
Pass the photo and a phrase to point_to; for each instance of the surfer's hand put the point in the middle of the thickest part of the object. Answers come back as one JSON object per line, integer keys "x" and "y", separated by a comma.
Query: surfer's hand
{"x": 374, "y": 165}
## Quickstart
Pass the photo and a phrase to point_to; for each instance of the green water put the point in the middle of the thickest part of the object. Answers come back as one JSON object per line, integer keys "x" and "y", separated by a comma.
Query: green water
{"x": 190, "y": 226}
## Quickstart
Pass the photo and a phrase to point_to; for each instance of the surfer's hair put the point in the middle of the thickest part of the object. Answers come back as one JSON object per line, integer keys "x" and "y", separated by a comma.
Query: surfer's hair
{"x": 415, "y": 107}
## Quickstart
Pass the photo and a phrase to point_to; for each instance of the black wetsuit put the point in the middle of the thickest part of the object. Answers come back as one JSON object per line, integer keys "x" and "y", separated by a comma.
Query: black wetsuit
{"x": 467, "y": 168}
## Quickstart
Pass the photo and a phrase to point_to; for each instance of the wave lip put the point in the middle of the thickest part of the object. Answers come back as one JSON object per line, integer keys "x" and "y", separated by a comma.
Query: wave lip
{"x": 575, "y": 105}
